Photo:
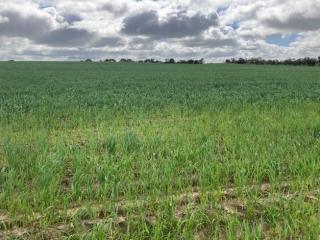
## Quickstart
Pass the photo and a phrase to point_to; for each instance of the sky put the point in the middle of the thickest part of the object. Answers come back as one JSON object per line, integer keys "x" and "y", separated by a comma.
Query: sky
{"x": 160, "y": 29}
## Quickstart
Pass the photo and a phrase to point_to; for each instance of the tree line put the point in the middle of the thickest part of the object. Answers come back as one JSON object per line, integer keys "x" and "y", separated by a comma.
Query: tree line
{"x": 291, "y": 61}
{"x": 151, "y": 60}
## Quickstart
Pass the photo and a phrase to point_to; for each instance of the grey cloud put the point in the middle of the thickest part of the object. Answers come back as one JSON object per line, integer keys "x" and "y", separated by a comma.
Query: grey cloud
{"x": 20, "y": 25}
{"x": 221, "y": 53}
{"x": 71, "y": 37}
{"x": 116, "y": 10}
{"x": 108, "y": 41}
{"x": 295, "y": 22}
{"x": 71, "y": 18}
{"x": 39, "y": 28}
{"x": 176, "y": 26}
{"x": 139, "y": 43}
{"x": 210, "y": 43}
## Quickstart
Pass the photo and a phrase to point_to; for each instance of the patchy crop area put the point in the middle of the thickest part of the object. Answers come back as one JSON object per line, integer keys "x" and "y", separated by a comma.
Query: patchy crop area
{"x": 156, "y": 151}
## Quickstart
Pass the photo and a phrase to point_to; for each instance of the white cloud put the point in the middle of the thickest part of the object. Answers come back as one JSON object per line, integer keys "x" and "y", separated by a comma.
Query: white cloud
{"x": 214, "y": 29}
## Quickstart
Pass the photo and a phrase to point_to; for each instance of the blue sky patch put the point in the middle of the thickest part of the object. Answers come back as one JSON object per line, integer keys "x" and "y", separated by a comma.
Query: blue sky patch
{"x": 235, "y": 25}
{"x": 282, "y": 40}
{"x": 222, "y": 9}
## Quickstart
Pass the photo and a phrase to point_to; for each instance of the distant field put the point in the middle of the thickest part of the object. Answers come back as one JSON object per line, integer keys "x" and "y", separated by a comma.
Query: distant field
{"x": 129, "y": 151}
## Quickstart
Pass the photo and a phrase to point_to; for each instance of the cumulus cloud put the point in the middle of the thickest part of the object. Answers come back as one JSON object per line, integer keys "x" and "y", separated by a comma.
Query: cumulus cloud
{"x": 281, "y": 16}
{"x": 213, "y": 29}
{"x": 47, "y": 27}
{"x": 71, "y": 18}
{"x": 116, "y": 8}
{"x": 175, "y": 26}
{"x": 210, "y": 43}
{"x": 141, "y": 44}
{"x": 66, "y": 37}
{"x": 29, "y": 24}
{"x": 293, "y": 16}
{"x": 109, "y": 42}
{"x": 296, "y": 22}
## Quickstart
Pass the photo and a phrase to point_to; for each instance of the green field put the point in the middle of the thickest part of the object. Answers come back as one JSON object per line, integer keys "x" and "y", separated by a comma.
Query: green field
{"x": 155, "y": 151}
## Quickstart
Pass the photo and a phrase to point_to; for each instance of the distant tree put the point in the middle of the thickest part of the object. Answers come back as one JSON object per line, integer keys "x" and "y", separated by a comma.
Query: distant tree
{"x": 255, "y": 61}
{"x": 170, "y": 60}
{"x": 182, "y": 61}
{"x": 126, "y": 60}
{"x": 307, "y": 61}
{"x": 287, "y": 62}
{"x": 242, "y": 61}
{"x": 310, "y": 61}
{"x": 111, "y": 60}
{"x": 88, "y": 60}
{"x": 191, "y": 61}
{"x": 151, "y": 60}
